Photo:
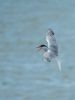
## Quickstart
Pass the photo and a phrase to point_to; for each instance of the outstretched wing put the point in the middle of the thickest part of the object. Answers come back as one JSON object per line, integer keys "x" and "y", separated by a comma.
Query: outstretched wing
{"x": 52, "y": 45}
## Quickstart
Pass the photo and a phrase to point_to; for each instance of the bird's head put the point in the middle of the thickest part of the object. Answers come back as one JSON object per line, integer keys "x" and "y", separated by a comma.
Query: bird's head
{"x": 50, "y": 32}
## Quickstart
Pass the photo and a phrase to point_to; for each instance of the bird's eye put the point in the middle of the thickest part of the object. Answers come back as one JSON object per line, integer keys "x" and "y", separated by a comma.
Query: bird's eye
{"x": 52, "y": 33}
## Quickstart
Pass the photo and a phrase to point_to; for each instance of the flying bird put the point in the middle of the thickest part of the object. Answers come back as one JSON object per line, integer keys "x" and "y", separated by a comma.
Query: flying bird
{"x": 51, "y": 50}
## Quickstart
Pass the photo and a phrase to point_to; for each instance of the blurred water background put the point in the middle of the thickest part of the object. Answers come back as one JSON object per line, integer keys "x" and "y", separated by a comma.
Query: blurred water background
{"x": 23, "y": 73}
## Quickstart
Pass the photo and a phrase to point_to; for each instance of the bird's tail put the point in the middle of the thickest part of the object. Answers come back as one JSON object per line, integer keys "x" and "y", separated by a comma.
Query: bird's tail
{"x": 59, "y": 63}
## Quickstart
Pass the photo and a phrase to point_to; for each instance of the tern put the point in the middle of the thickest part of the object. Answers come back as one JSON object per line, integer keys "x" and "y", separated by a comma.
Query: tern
{"x": 50, "y": 50}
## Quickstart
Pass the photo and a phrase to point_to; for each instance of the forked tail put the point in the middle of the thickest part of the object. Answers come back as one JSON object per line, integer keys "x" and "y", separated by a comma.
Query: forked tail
{"x": 59, "y": 63}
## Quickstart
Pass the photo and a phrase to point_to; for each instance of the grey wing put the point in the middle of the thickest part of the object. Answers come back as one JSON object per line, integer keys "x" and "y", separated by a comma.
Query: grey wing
{"x": 52, "y": 44}
{"x": 50, "y": 40}
{"x": 54, "y": 49}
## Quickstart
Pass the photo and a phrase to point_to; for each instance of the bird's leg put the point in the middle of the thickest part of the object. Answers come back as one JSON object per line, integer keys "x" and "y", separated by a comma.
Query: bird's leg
{"x": 47, "y": 59}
